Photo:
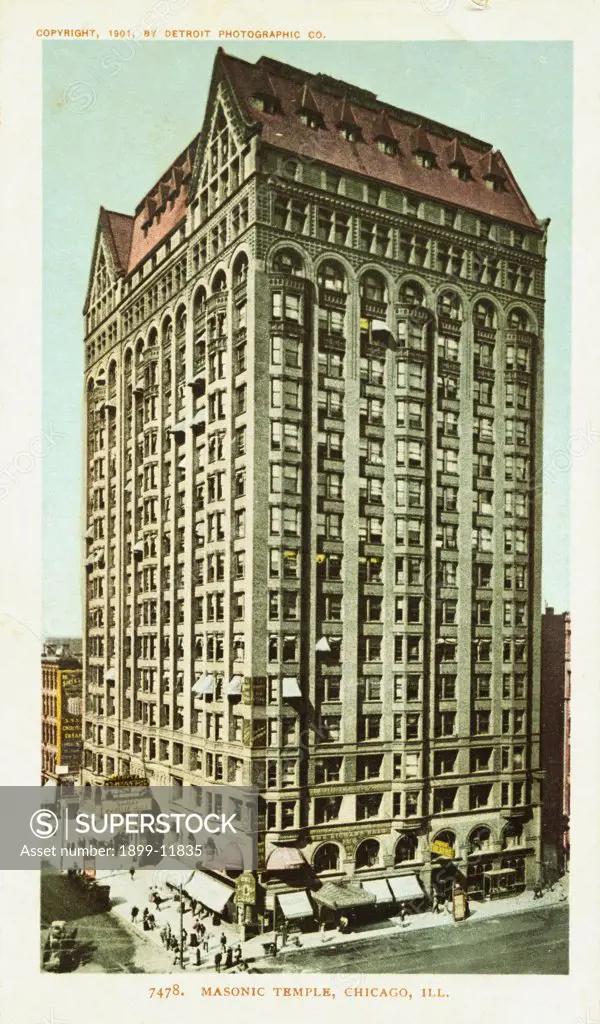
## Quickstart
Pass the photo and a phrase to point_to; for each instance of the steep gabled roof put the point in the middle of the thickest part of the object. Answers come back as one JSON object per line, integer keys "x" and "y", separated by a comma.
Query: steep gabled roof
{"x": 119, "y": 229}
{"x": 456, "y": 155}
{"x": 285, "y": 131}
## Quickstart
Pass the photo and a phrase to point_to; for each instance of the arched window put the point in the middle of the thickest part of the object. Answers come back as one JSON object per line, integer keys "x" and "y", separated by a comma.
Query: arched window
{"x": 406, "y": 849}
{"x": 240, "y": 269}
{"x": 512, "y": 836}
{"x": 446, "y": 839}
{"x": 219, "y": 282}
{"x": 199, "y": 302}
{"x": 479, "y": 840}
{"x": 367, "y": 854}
{"x": 372, "y": 287}
{"x": 331, "y": 277}
{"x": 326, "y": 858}
{"x": 484, "y": 314}
{"x": 153, "y": 338}
{"x": 288, "y": 261}
{"x": 167, "y": 331}
{"x": 450, "y": 306}
{"x": 412, "y": 294}
{"x": 180, "y": 320}
{"x": 112, "y": 374}
{"x": 518, "y": 320}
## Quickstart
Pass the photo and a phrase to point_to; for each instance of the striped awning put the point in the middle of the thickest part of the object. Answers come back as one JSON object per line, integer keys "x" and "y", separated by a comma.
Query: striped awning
{"x": 379, "y": 888}
{"x": 285, "y": 858}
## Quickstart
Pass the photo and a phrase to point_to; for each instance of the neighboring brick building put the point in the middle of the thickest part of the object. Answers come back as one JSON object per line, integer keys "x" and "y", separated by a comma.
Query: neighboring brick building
{"x": 314, "y": 423}
{"x": 556, "y": 738}
{"x": 62, "y": 709}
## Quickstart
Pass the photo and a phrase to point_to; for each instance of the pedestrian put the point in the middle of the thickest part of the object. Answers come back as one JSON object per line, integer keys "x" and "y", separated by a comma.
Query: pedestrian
{"x": 184, "y": 936}
{"x": 201, "y": 930}
{"x": 198, "y": 960}
{"x": 175, "y": 948}
{"x": 218, "y": 958}
{"x": 223, "y": 941}
{"x": 403, "y": 913}
{"x": 151, "y": 921}
{"x": 237, "y": 954}
{"x": 229, "y": 957}
{"x": 145, "y": 914}
{"x": 435, "y": 903}
{"x": 134, "y": 913}
{"x": 132, "y": 873}
{"x": 163, "y": 936}
{"x": 205, "y": 944}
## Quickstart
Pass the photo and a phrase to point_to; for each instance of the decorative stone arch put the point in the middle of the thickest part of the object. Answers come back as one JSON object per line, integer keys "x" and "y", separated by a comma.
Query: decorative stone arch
{"x": 296, "y": 260}
{"x": 414, "y": 279}
{"x": 219, "y": 282}
{"x": 479, "y": 839}
{"x": 153, "y": 336}
{"x": 112, "y": 373}
{"x": 342, "y": 262}
{"x": 100, "y": 377}
{"x": 512, "y": 837}
{"x": 368, "y": 853}
{"x": 180, "y": 318}
{"x": 166, "y": 327}
{"x": 372, "y": 268}
{"x": 486, "y": 299}
{"x": 451, "y": 290}
{"x": 532, "y": 325}
{"x": 239, "y": 264}
{"x": 198, "y": 299}
{"x": 90, "y": 384}
{"x": 406, "y": 848}
{"x": 326, "y": 857}
{"x": 293, "y": 246}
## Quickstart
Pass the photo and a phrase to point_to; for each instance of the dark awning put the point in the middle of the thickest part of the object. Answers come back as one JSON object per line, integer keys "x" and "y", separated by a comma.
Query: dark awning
{"x": 343, "y": 897}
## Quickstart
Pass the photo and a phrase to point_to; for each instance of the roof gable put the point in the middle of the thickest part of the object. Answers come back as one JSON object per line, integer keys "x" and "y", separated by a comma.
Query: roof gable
{"x": 110, "y": 254}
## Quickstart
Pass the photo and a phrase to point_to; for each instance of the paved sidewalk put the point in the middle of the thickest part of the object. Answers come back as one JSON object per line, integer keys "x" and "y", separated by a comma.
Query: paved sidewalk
{"x": 126, "y": 893}
{"x": 522, "y": 903}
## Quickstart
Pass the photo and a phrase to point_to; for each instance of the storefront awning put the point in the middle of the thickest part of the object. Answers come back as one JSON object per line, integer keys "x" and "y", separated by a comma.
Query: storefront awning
{"x": 322, "y": 645}
{"x": 178, "y": 428}
{"x": 285, "y": 858}
{"x": 406, "y": 887}
{"x": 343, "y": 897}
{"x": 199, "y": 418}
{"x": 289, "y": 687}
{"x": 234, "y": 686}
{"x": 379, "y": 889}
{"x": 295, "y": 905}
{"x": 110, "y": 675}
{"x": 209, "y": 891}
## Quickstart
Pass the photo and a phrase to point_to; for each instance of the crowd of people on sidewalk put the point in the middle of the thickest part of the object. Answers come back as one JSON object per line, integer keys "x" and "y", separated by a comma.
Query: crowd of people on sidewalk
{"x": 198, "y": 945}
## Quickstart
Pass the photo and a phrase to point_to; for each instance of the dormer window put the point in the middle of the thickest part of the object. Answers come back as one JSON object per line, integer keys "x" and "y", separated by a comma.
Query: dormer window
{"x": 422, "y": 149}
{"x": 311, "y": 119}
{"x": 265, "y": 104}
{"x": 350, "y": 134}
{"x": 426, "y": 160}
{"x": 387, "y": 146}
{"x": 492, "y": 172}
{"x": 457, "y": 161}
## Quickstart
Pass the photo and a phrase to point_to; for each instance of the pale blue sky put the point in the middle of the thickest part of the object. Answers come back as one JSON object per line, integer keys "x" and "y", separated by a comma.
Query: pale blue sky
{"x": 146, "y": 101}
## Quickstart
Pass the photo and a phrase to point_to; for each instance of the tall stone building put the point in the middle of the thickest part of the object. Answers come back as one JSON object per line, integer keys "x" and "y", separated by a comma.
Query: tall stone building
{"x": 314, "y": 406}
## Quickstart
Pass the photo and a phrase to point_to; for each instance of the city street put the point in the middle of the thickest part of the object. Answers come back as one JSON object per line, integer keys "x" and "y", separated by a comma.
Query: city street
{"x": 535, "y": 942}
{"x": 104, "y": 944}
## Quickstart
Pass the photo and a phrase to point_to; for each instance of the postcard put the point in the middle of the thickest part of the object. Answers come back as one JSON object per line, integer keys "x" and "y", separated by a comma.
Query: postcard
{"x": 298, "y": 498}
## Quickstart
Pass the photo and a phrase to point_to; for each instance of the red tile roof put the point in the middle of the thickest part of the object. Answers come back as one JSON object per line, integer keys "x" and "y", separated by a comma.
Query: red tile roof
{"x": 119, "y": 227}
{"x": 284, "y": 129}
{"x": 167, "y": 198}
